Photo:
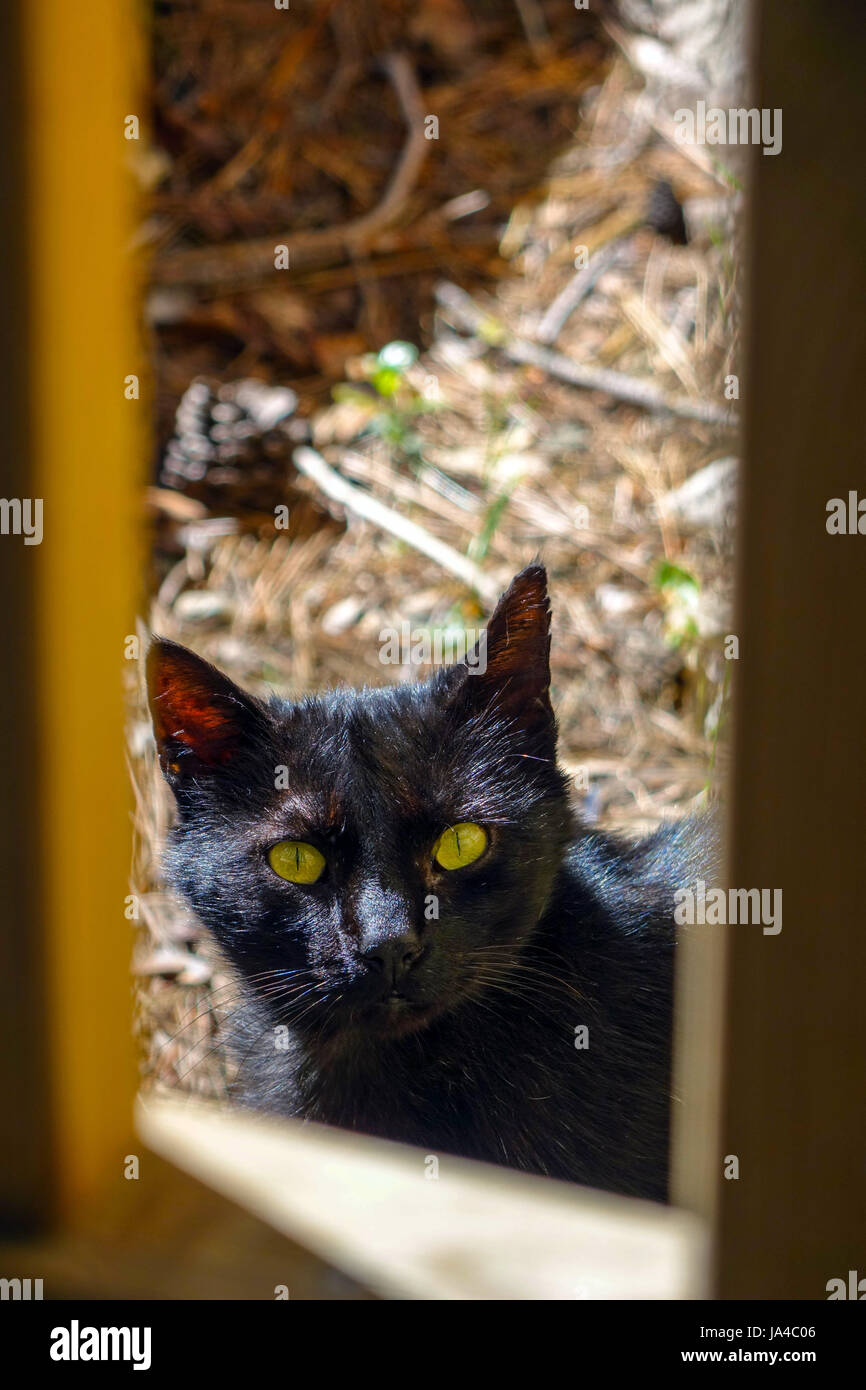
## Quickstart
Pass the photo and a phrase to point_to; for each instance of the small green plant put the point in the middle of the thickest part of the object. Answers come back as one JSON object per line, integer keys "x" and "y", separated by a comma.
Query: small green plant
{"x": 391, "y": 401}
{"x": 726, "y": 174}
{"x": 387, "y": 370}
{"x": 492, "y": 516}
{"x": 680, "y": 593}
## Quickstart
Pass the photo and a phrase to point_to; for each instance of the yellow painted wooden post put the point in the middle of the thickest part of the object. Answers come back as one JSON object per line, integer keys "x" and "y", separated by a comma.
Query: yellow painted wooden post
{"x": 85, "y": 461}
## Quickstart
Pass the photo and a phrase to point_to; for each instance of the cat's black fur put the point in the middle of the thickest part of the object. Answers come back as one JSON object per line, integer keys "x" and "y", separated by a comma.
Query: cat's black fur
{"x": 553, "y": 929}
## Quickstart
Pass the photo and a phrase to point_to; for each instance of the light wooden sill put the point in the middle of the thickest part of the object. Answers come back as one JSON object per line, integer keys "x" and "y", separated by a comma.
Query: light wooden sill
{"x": 475, "y": 1232}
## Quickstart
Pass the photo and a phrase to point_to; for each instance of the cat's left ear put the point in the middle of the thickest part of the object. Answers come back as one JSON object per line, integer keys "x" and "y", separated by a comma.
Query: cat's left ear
{"x": 201, "y": 719}
{"x": 508, "y": 671}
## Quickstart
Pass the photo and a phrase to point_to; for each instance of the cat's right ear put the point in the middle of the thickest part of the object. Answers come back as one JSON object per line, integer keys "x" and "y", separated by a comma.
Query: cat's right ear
{"x": 201, "y": 719}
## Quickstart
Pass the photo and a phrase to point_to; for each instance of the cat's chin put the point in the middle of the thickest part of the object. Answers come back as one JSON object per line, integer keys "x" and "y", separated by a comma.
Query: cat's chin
{"x": 396, "y": 1017}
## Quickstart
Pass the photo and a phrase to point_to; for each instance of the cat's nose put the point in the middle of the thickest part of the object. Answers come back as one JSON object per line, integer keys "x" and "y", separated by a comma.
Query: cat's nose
{"x": 393, "y": 956}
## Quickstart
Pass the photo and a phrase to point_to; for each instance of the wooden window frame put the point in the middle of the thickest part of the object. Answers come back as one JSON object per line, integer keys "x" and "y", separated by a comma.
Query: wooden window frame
{"x": 280, "y": 1196}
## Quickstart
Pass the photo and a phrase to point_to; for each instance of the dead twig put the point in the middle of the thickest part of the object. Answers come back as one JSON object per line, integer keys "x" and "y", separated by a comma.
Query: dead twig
{"x": 579, "y": 286}
{"x": 535, "y": 27}
{"x": 237, "y": 263}
{"x": 469, "y": 316}
{"x": 312, "y": 464}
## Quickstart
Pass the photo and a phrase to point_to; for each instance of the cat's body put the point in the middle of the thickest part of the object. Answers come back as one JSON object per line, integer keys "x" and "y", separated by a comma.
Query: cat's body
{"x": 514, "y": 1008}
{"x": 516, "y": 1080}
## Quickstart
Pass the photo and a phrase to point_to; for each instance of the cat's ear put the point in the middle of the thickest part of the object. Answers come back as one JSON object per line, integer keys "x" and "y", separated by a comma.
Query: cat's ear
{"x": 508, "y": 671}
{"x": 201, "y": 719}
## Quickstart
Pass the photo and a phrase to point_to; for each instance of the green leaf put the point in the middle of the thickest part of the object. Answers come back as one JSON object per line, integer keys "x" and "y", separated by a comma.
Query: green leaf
{"x": 672, "y": 578}
{"x": 386, "y": 380}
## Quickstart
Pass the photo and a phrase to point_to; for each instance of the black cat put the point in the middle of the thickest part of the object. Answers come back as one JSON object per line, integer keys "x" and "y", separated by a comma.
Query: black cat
{"x": 429, "y": 946}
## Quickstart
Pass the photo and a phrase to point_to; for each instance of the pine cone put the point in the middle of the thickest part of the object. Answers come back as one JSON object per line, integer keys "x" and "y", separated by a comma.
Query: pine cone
{"x": 232, "y": 446}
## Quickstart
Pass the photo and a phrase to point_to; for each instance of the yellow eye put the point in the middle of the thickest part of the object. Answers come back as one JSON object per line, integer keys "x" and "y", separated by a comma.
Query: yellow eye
{"x": 459, "y": 845}
{"x": 296, "y": 861}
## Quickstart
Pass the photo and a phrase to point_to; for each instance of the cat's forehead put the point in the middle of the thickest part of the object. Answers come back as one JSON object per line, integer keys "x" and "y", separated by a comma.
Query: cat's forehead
{"x": 349, "y": 722}
{"x": 400, "y": 759}
{"x": 376, "y": 747}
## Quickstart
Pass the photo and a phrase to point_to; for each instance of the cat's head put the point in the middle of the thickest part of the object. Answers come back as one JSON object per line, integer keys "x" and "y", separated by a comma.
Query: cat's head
{"x": 369, "y": 858}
